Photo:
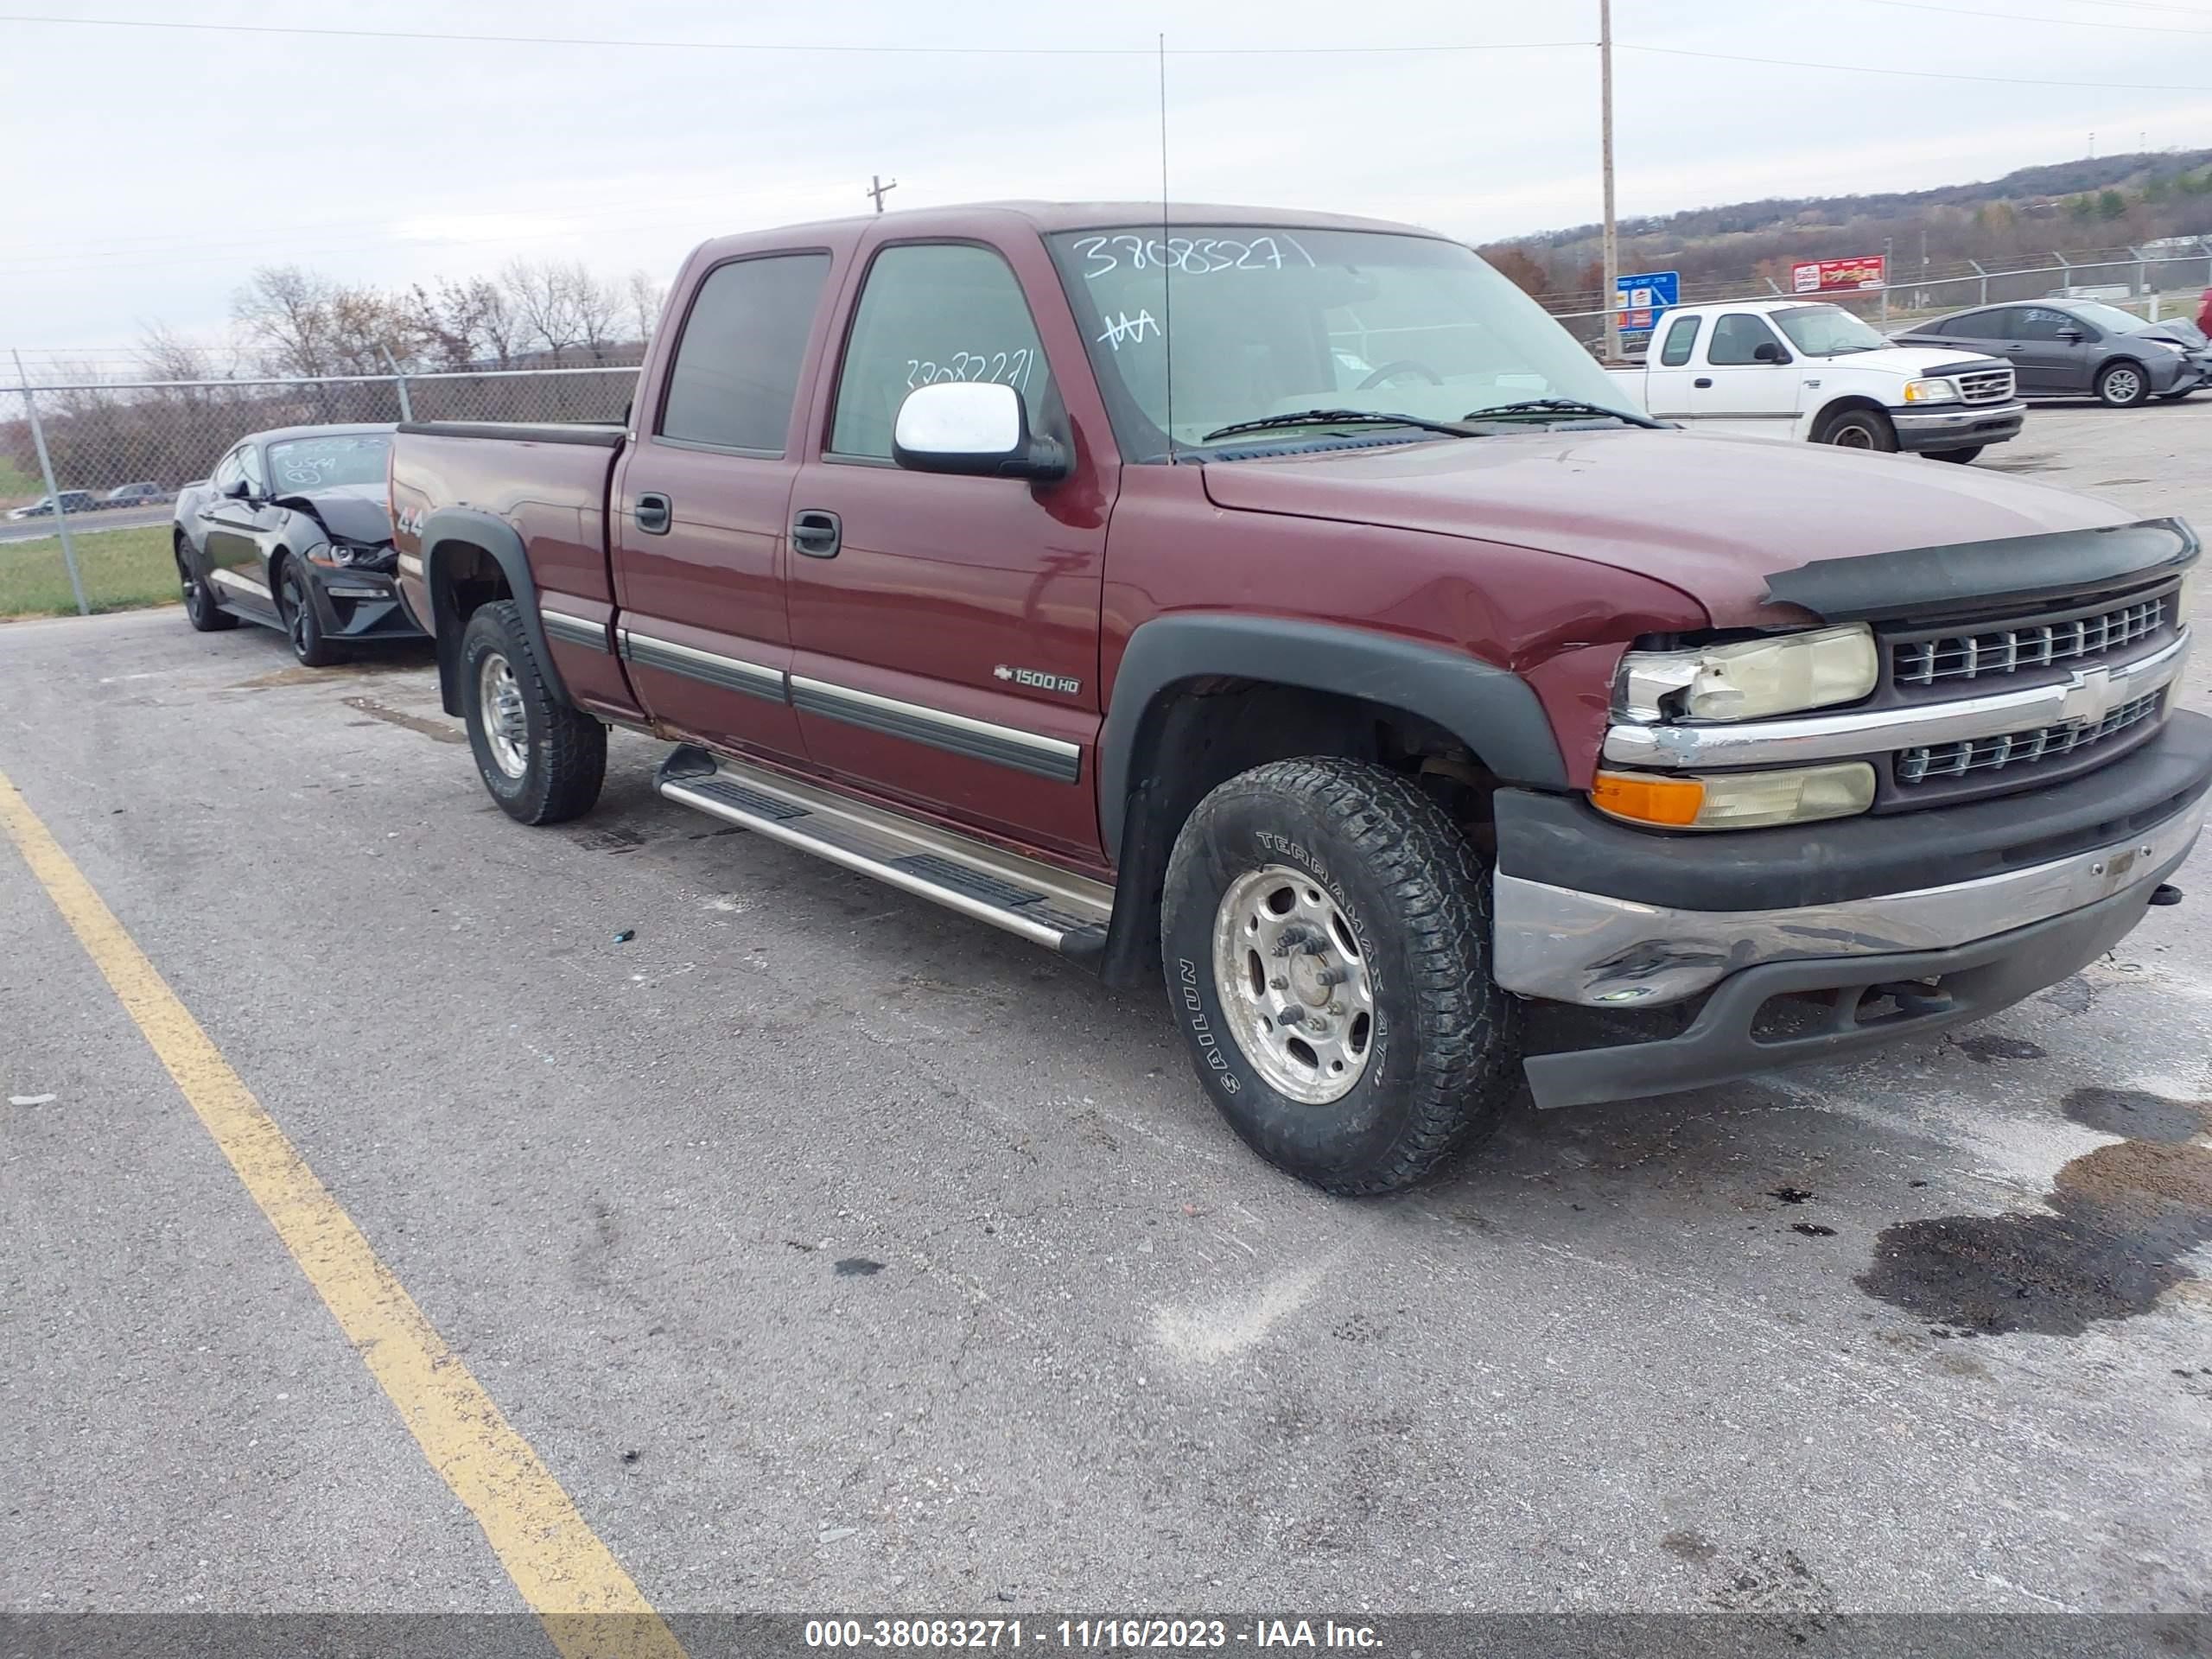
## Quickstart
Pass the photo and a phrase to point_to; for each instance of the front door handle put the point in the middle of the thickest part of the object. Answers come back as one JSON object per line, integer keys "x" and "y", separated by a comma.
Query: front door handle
{"x": 1703, "y": 383}
{"x": 654, "y": 513}
{"x": 817, "y": 534}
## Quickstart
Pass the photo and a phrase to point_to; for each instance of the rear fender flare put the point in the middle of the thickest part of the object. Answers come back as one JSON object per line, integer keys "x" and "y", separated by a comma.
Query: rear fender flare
{"x": 1490, "y": 709}
{"x": 444, "y": 533}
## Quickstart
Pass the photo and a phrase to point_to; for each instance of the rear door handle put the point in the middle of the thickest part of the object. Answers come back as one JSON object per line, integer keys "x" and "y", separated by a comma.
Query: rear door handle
{"x": 1703, "y": 383}
{"x": 817, "y": 534}
{"x": 654, "y": 513}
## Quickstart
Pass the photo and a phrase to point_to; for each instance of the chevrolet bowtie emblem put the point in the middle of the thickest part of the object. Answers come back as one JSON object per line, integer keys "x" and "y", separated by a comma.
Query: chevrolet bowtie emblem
{"x": 2089, "y": 697}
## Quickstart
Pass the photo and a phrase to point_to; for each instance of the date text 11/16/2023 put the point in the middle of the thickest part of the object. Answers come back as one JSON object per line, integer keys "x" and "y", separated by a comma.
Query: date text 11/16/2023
{"x": 1125, "y": 1633}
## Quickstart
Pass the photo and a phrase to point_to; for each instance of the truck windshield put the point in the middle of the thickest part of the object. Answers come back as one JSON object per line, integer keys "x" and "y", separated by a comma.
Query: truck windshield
{"x": 1826, "y": 331}
{"x": 1271, "y": 321}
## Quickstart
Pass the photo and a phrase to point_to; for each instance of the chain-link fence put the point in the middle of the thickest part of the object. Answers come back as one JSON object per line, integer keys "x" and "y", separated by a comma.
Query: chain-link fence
{"x": 2158, "y": 283}
{"x": 90, "y": 471}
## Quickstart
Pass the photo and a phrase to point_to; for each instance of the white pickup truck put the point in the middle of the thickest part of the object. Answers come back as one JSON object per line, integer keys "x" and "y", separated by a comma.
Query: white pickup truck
{"x": 1814, "y": 373}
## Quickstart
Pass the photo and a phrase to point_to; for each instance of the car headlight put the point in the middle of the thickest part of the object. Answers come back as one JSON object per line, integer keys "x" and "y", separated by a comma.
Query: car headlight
{"x": 1938, "y": 390}
{"x": 2170, "y": 345}
{"x": 1748, "y": 678}
{"x": 1736, "y": 800}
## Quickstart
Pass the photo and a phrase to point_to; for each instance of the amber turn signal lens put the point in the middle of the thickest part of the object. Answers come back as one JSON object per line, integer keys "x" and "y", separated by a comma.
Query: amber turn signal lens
{"x": 1674, "y": 802}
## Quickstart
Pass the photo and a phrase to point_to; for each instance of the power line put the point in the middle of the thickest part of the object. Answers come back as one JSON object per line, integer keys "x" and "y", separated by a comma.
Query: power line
{"x": 1915, "y": 74}
{"x": 848, "y": 47}
{"x": 2022, "y": 18}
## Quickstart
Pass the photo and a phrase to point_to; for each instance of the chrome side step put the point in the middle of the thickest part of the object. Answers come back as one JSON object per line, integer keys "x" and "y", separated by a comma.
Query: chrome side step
{"x": 1042, "y": 904}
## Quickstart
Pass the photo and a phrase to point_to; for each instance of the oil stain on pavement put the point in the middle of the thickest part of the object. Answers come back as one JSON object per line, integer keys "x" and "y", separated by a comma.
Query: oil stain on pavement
{"x": 2121, "y": 1217}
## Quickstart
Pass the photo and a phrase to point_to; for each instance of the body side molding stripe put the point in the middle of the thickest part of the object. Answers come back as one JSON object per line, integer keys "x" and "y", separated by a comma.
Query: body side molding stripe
{"x": 730, "y": 673}
{"x": 979, "y": 739}
{"x": 573, "y": 630}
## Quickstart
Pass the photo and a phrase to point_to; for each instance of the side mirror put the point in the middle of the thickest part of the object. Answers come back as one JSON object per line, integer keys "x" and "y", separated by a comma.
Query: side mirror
{"x": 978, "y": 428}
{"x": 1767, "y": 352}
{"x": 2071, "y": 336}
{"x": 237, "y": 489}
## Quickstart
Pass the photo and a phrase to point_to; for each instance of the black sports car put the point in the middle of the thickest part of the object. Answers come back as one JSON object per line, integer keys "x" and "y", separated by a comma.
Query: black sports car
{"x": 292, "y": 531}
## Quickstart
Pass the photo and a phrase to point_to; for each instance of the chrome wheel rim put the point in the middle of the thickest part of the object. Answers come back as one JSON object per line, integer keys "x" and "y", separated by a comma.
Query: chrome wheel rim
{"x": 1293, "y": 984}
{"x": 1854, "y": 437}
{"x": 506, "y": 734}
{"x": 2121, "y": 385}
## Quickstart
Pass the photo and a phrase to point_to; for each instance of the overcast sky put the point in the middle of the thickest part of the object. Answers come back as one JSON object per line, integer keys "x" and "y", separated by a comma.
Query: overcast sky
{"x": 149, "y": 170}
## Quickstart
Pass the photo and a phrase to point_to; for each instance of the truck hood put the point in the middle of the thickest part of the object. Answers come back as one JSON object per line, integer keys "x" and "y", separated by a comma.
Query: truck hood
{"x": 1714, "y": 516}
{"x": 1906, "y": 362}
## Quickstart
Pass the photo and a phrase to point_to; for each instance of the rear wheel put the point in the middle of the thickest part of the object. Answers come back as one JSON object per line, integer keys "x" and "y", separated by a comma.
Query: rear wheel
{"x": 199, "y": 607}
{"x": 543, "y": 759}
{"x": 1327, "y": 939}
{"x": 1961, "y": 456}
{"x": 1859, "y": 429}
{"x": 2122, "y": 385}
{"x": 302, "y": 626}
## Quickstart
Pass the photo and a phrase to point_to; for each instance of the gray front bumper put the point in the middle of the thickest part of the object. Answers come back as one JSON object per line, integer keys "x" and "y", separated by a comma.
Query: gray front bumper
{"x": 1962, "y": 427}
{"x": 1563, "y": 946}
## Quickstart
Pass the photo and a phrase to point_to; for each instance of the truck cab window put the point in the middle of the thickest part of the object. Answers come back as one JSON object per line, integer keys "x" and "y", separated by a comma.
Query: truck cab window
{"x": 737, "y": 370}
{"x": 1737, "y": 338}
{"x": 1682, "y": 335}
{"x": 928, "y": 313}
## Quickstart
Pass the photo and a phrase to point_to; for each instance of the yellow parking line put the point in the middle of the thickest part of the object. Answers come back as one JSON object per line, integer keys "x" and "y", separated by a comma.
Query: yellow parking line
{"x": 588, "y": 1605}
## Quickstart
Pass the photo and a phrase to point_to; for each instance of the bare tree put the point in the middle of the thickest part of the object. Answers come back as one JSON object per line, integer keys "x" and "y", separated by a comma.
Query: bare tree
{"x": 544, "y": 302}
{"x": 598, "y": 306}
{"x": 647, "y": 298}
{"x": 284, "y": 316}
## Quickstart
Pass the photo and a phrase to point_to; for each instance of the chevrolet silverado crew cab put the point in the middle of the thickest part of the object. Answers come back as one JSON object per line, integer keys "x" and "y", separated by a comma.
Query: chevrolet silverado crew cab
{"x": 1285, "y": 606}
{"x": 1814, "y": 373}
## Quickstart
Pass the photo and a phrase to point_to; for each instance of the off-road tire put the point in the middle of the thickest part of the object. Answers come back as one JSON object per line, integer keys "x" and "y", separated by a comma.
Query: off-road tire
{"x": 2115, "y": 380}
{"x": 302, "y": 622}
{"x": 564, "y": 750}
{"x": 1859, "y": 429}
{"x": 1961, "y": 457}
{"x": 1442, "y": 1068}
{"x": 200, "y": 607}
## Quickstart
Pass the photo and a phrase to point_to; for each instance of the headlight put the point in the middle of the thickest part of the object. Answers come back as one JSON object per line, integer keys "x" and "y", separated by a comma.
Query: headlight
{"x": 1931, "y": 391}
{"x": 1736, "y": 800}
{"x": 1750, "y": 678}
{"x": 2170, "y": 345}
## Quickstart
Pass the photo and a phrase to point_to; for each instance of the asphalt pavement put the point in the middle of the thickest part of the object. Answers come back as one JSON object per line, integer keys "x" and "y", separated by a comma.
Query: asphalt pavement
{"x": 834, "y": 1253}
{"x": 86, "y": 523}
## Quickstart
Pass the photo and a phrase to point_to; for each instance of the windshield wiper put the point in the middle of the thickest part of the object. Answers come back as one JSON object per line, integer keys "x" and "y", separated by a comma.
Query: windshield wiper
{"x": 1334, "y": 417}
{"x": 1559, "y": 406}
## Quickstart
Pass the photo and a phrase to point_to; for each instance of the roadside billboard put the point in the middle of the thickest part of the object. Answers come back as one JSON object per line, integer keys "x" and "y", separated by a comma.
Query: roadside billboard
{"x": 1838, "y": 276}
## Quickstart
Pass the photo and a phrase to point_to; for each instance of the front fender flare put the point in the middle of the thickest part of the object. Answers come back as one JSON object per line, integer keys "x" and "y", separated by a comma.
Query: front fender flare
{"x": 1490, "y": 709}
{"x": 443, "y": 532}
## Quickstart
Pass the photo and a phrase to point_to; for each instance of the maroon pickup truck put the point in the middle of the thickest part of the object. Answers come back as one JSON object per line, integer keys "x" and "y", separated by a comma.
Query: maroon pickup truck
{"x": 1286, "y": 606}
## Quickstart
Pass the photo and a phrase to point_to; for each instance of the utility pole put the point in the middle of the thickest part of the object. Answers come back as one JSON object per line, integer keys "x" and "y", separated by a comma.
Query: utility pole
{"x": 879, "y": 187}
{"x": 1609, "y": 298}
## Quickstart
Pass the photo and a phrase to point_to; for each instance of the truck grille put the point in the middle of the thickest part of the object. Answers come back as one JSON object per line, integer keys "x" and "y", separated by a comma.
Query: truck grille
{"x": 2026, "y": 645}
{"x": 1991, "y": 754}
{"x": 1987, "y": 386}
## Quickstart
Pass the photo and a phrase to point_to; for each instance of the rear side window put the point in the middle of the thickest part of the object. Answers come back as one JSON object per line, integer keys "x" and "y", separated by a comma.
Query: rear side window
{"x": 737, "y": 366}
{"x": 1681, "y": 334}
{"x": 934, "y": 312}
{"x": 1737, "y": 337}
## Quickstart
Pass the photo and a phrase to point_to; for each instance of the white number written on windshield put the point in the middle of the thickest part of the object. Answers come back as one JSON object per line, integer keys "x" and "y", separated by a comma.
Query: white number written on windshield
{"x": 1194, "y": 256}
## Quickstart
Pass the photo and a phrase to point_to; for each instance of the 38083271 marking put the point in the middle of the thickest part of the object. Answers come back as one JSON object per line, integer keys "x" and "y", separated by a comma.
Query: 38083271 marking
{"x": 1128, "y": 1633}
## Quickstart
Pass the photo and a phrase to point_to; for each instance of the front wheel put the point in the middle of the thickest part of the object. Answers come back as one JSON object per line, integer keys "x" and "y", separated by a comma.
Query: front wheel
{"x": 1961, "y": 456}
{"x": 1860, "y": 428}
{"x": 2122, "y": 385}
{"x": 543, "y": 759}
{"x": 303, "y": 626}
{"x": 1325, "y": 935}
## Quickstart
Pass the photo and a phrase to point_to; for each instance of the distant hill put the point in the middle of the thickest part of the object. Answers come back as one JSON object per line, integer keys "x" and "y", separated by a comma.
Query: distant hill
{"x": 2106, "y": 201}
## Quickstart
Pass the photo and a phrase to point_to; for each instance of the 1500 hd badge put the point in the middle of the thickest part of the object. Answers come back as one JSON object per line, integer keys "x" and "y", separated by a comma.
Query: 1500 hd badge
{"x": 1037, "y": 680}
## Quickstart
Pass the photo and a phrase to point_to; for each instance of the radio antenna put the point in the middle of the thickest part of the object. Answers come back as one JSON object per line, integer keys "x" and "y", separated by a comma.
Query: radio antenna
{"x": 1166, "y": 265}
